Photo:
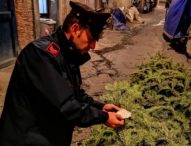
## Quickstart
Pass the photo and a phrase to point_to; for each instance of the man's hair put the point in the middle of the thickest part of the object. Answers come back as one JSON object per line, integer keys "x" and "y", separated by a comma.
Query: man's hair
{"x": 70, "y": 20}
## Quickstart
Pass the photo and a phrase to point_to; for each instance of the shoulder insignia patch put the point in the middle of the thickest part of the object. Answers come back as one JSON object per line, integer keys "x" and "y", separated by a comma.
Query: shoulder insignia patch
{"x": 53, "y": 49}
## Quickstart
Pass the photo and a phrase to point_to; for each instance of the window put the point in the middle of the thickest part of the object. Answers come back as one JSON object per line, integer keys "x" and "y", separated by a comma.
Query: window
{"x": 43, "y": 8}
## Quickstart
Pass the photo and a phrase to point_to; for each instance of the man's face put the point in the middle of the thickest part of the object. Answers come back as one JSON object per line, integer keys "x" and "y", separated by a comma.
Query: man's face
{"x": 83, "y": 40}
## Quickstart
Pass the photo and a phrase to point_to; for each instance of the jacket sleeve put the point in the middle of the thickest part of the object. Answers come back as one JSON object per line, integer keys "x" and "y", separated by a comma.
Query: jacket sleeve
{"x": 86, "y": 98}
{"x": 55, "y": 87}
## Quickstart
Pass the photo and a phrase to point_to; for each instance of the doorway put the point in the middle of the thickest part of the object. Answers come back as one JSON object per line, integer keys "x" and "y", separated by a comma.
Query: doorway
{"x": 8, "y": 37}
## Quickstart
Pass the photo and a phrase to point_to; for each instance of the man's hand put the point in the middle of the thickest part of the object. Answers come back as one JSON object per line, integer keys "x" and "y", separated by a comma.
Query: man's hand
{"x": 114, "y": 120}
{"x": 110, "y": 108}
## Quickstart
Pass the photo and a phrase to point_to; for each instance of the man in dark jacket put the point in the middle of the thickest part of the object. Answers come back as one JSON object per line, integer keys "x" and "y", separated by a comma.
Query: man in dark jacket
{"x": 44, "y": 100}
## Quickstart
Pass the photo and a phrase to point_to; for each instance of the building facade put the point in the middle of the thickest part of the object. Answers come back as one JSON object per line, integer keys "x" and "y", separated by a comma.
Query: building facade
{"x": 24, "y": 17}
{"x": 28, "y": 16}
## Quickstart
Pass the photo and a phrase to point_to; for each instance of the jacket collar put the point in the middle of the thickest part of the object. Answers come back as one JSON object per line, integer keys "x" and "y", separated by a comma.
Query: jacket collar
{"x": 68, "y": 50}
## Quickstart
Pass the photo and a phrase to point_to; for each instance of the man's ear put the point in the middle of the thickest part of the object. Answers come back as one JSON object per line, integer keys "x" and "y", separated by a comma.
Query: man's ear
{"x": 75, "y": 29}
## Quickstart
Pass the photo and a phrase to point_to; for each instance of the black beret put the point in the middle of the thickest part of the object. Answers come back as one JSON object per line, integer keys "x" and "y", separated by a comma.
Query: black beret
{"x": 86, "y": 15}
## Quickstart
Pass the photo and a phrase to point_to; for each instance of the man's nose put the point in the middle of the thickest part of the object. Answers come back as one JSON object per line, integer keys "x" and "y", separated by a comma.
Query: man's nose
{"x": 92, "y": 44}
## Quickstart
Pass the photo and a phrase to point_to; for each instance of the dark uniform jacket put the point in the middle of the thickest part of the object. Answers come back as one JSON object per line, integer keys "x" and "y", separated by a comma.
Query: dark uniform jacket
{"x": 44, "y": 100}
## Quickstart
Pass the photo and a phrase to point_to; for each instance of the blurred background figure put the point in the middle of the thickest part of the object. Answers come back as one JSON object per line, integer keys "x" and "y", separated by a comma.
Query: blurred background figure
{"x": 167, "y": 3}
{"x": 177, "y": 23}
{"x": 133, "y": 14}
{"x": 118, "y": 18}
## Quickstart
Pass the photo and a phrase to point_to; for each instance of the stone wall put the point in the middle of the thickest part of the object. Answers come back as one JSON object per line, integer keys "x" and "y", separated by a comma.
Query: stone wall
{"x": 64, "y": 8}
{"x": 25, "y": 21}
